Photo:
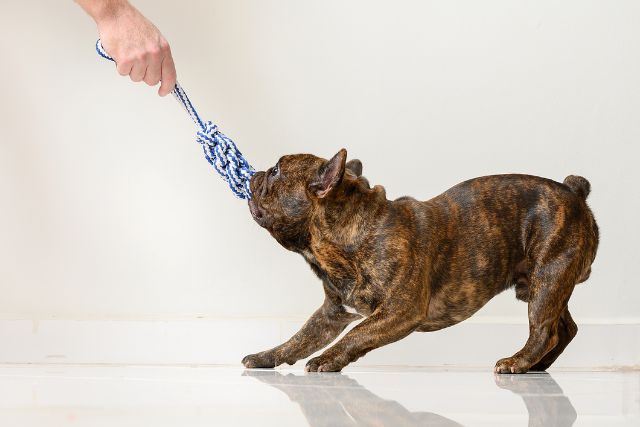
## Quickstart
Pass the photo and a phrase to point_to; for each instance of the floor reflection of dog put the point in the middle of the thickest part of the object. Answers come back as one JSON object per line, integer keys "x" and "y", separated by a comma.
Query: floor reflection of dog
{"x": 334, "y": 400}
{"x": 545, "y": 401}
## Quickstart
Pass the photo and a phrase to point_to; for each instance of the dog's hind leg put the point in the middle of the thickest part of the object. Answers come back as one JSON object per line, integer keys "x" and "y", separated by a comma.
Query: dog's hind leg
{"x": 550, "y": 286}
{"x": 567, "y": 330}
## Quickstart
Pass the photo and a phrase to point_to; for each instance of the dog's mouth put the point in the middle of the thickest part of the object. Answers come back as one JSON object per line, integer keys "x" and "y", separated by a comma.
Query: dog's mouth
{"x": 255, "y": 210}
{"x": 259, "y": 214}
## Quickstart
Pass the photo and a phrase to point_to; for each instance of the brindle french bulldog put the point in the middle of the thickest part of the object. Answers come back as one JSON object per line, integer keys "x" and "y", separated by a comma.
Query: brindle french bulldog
{"x": 408, "y": 266}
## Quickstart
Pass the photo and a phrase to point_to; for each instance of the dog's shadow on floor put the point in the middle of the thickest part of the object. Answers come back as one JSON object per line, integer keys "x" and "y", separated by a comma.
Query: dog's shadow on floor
{"x": 338, "y": 400}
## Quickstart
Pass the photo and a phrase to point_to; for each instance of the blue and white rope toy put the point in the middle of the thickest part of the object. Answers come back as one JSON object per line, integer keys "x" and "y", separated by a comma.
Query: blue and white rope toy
{"x": 219, "y": 149}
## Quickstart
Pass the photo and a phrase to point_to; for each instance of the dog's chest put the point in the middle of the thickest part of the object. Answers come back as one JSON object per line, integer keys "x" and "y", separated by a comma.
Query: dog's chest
{"x": 342, "y": 281}
{"x": 334, "y": 267}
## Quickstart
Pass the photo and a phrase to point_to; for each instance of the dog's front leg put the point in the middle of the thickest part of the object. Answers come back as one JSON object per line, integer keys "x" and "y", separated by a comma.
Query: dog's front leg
{"x": 322, "y": 327}
{"x": 384, "y": 326}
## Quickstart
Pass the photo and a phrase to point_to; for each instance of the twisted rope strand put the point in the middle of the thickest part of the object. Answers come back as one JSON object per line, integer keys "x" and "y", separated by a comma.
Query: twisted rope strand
{"x": 219, "y": 150}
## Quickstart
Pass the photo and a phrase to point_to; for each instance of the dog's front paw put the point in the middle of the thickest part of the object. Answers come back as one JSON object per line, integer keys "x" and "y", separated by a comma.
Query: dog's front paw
{"x": 324, "y": 363}
{"x": 264, "y": 359}
{"x": 512, "y": 365}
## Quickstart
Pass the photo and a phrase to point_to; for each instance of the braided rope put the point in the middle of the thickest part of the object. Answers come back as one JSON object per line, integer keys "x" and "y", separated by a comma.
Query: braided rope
{"x": 219, "y": 150}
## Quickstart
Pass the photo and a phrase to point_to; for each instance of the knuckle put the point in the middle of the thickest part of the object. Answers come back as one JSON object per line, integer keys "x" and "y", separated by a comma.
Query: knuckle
{"x": 155, "y": 51}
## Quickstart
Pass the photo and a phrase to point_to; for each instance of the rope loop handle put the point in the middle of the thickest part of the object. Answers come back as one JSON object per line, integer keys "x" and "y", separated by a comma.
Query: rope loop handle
{"x": 219, "y": 150}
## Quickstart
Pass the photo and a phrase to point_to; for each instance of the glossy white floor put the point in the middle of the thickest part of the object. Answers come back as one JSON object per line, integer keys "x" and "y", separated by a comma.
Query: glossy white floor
{"x": 55, "y": 395}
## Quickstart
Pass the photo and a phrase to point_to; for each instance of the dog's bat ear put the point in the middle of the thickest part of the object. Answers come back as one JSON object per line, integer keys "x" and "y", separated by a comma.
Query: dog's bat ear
{"x": 355, "y": 166}
{"x": 329, "y": 175}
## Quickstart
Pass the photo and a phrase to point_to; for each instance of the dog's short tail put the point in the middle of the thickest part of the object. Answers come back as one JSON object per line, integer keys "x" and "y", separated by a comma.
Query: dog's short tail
{"x": 578, "y": 185}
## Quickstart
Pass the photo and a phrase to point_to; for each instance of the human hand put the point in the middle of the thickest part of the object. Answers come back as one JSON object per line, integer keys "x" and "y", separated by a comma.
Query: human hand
{"x": 137, "y": 46}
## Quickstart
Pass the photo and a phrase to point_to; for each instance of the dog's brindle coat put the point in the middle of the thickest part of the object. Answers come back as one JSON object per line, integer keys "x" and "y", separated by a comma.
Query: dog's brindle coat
{"x": 412, "y": 266}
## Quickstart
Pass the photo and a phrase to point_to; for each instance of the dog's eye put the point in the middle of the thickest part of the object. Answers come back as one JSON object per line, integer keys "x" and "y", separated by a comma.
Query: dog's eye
{"x": 275, "y": 170}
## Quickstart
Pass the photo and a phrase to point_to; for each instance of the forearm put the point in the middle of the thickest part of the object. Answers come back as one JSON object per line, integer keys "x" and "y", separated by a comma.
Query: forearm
{"x": 322, "y": 327}
{"x": 317, "y": 332}
{"x": 101, "y": 10}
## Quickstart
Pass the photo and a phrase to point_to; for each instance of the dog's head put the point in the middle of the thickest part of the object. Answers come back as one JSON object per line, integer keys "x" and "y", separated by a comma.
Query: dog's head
{"x": 286, "y": 196}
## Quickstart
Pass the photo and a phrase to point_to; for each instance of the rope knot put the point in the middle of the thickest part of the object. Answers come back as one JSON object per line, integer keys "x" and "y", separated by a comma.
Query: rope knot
{"x": 226, "y": 159}
{"x": 210, "y": 128}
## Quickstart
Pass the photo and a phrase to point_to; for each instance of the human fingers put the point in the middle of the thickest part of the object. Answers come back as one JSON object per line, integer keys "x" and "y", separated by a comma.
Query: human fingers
{"x": 154, "y": 68}
{"x": 139, "y": 68}
{"x": 168, "y": 75}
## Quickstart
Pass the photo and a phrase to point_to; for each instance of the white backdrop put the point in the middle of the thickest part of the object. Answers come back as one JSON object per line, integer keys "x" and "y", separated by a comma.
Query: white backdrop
{"x": 109, "y": 211}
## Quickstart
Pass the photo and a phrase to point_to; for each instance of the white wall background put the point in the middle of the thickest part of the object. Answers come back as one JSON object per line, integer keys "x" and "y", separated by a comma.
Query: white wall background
{"x": 108, "y": 210}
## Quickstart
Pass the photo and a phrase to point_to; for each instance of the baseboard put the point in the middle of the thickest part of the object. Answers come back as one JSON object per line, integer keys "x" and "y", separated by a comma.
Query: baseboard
{"x": 226, "y": 341}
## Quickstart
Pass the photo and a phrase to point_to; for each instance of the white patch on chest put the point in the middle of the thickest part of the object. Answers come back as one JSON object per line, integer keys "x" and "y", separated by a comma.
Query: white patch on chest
{"x": 349, "y": 309}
